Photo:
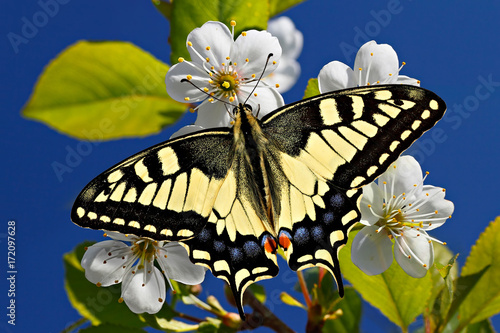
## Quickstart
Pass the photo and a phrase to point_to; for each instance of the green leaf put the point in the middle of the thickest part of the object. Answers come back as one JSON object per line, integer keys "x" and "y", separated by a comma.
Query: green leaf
{"x": 483, "y": 300}
{"x": 278, "y": 6}
{"x": 103, "y": 90}
{"x": 169, "y": 324}
{"x": 214, "y": 325}
{"x": 110, "y": 328}
{"x": 397, "y": 295}
{"x": 292, "y": 301}
{"x": 479, "y": 327}
{"x": 351, "y": 307}
{"x": 445, "y": 272}
{"x": 258, "y": 291}
{"x": 164, "y": 7}
{"x": 98, "y": 304}
{"x": 312, "y": 88}
{"x": 188, "y": 15}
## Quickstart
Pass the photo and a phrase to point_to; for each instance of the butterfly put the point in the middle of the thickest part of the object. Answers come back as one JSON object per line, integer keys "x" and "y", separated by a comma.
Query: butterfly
{"x": 293, "y": 179}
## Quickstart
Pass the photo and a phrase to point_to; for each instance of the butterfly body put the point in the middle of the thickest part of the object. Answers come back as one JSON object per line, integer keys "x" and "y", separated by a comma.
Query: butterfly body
{"x": 293, "y": 179}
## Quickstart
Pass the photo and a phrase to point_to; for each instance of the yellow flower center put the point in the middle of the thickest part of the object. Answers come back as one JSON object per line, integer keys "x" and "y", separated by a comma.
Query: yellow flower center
{"x": 145, "y": 249}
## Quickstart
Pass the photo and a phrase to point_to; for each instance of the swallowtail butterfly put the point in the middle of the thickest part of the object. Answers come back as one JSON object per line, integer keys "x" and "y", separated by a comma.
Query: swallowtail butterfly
{"x": 232, "y": 196}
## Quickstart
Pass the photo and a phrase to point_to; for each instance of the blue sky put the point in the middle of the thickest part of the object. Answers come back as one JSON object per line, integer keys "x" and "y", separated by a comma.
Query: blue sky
{"x": 451, "y": 46}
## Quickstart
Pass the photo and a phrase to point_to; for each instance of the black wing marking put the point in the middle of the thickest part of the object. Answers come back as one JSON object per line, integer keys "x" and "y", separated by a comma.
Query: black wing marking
{"x": 165, "y": 192}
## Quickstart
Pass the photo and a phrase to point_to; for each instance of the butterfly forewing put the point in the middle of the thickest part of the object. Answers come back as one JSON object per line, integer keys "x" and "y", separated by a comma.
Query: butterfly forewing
{"x": 350, "y": 137}
{"x": 165, "y": 192}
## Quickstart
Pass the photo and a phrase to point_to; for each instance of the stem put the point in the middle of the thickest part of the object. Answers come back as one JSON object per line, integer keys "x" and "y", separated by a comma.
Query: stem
{"x": 188, "y": 317}
{"x": 76, "y": 324}
{"x": 262, "y": 316}
{"x": 303, "y": 287}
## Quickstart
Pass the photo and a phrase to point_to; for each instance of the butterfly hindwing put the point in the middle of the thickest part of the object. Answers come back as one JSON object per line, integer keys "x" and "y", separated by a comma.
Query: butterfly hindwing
{"x": 165, "y": 192}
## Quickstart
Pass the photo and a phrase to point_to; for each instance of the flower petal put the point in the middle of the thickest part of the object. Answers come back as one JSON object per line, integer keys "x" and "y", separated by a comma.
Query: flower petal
{"x": 403, "y": 79}
{"x": 291, "y": 39}
{"x": 401, "y": 177}
{"x": 256, "y": 46}
{"x": 378, "y": 62}
{"x": 212, "y": 115}
{"x": 372, "y": 251}
{"x": 413, "y": 243}
{"x": 144, "y": 292}
{"x": 434, "y": 202}
{"x": 212, "y": 35}
{"x": 267, "y": 100}
{"x": 187, "y": 130}
{"x": 110, "y": 272}
{"x": 373, "y": 196}
{"x": 286, "y": 75}
{"x": 335, "y": 76}
{"x": 121, "y": 237}
{"x": 177, "y": 265}
{"x": 180, "y": 90}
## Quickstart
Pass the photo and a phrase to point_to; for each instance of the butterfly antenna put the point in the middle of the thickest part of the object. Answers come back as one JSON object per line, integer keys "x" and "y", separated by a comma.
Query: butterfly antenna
{"x": 260, "y": 78}
{"x": 211, "y": 96}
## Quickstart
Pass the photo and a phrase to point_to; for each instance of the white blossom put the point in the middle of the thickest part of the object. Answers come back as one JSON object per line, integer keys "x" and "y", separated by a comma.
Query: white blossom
{"x": 224, "y": 69}
{"x": 402, "y": 209}
{"x": 143, "y": 285}
{"x": 374, "y": 64}
{"x": 291, "y": 41}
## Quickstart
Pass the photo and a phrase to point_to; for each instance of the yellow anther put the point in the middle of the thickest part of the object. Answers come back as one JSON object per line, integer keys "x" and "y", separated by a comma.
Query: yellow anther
{"x": 98, "y": 284}
{"x": 186, "y": 99}
{"x": 404, "y": 63}
{"x": 360, "y": 68}
{"x": 189, "y": 77}
{"x": 190, "y": 44}
{"x": 385, "y": 183}
{"x": 244, "y": 33}
{"x": 367, "y": 83}
{"x": 394, "y": 166}
{"x": 409, "y": 205}
{"x": 231, "y": 122}
{"x": 443, "y": 190}
{"x": 226, "y": 84}
{"x": 233, "y": 23}
{"x": 369, "y": 206}
{"x": 223, "y": 64}
{"x": 418, "y": 81}
{"x": 425, "y": 265}
{"x": 191, "y": 110}
{"x": 253, "y": 76}
{"x": 207, "y": 48}
{"x": 210, "y": 81}
{"x": 211, "y": 74}
{"x": 421, "y": 224}
{"x": 435, "y": 211}
{"x": 247, "y": 60}
{"x": 235, "y": 64}
{"x": 427, "y": 172}
{"x": 160, "y": 300}
{"x": 205, "y": 89}
{"x": 120, "y": 300}
{"x": 180, "y": 59}
{"x": 277, "y": 85}
{"x": 449, "y": 216}
{"x": 371, "y": 54}
{"x": 231, "y": 99}
{"x": 274, "y": 62}
{"x": 444, "y": 243}
{"x": 227, "y": 58}
{"x": 378, "y": 81}
{"x": 390, "y": 74}
{"x": 255, "y": 94}
{"x": 105, "y": 235}
{"x": 210, "y": 100}
{"x": 207, "y": 59}
{"x": 394, "y": 197}
{"x": 427, "y": 194}
{"x": 399, "y": 211}
{"x": 429, "y": 241}
{"x": 409, "y": 257}
{"x": 418, "y": 210}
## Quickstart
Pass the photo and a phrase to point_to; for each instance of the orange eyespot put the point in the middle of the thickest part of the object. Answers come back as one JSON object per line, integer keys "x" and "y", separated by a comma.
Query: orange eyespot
{"x": 284, "y": 241}
{"x": 270, "y": 245}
